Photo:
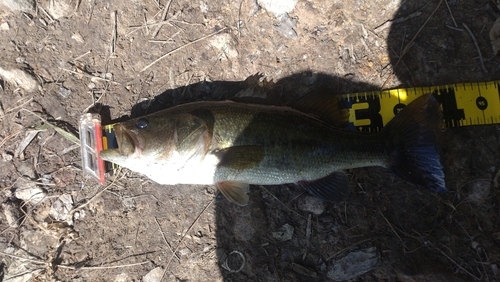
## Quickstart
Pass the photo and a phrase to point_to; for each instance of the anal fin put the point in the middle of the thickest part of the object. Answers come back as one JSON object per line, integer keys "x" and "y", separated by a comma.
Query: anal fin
{"x": 331, "y": 188}
{"x": 236, "y": 192}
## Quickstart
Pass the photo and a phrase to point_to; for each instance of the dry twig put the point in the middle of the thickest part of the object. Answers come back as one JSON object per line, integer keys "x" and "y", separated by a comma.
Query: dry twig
{"x": 182, "y": 47}
{"x": 393, "y": 230}
{"x": 91, "y": 76}
{"x": 272, "y": 195}
{"x": 183, "y": 236}
{"x": 453, "y": 261}
{"x": 163, "y": 18}
{"x": 35, "y": 261}
{"x": 165, "y": 239}
{"x": 112, "y": 51}
{"x": 451, "y": 14}
{"x": 477, "y": 47}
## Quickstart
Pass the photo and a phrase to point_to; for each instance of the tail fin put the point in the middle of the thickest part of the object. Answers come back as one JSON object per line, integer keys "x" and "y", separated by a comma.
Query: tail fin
{"x": 413, "y": 132}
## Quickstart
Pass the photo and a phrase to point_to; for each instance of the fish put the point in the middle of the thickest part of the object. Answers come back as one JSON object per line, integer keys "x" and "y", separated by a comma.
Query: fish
{"x": 233, "y": 145}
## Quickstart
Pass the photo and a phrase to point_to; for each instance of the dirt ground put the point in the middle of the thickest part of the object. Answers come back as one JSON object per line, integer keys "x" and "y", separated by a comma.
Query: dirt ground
{"x": 127, "y": 58}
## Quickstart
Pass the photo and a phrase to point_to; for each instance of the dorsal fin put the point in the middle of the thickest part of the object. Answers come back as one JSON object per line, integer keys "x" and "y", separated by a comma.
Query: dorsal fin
{"x": 323, "y": 105}
{"x": 258, "y": 90}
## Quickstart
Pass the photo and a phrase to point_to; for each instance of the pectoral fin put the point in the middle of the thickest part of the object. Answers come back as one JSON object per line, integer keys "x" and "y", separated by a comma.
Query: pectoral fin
{"x": 240, "y": 157}
{"x": 235, "y": 192}
{"x": 332, "y": 188}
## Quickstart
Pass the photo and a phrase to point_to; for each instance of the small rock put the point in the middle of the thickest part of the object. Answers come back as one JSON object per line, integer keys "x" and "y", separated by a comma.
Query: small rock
{"x": 354, "y": 264}
{"x": 27, "y": 169}
{"x": 284, "y": 233}
{"x": 79, "y": 215}
{"x": 203, "y": 7}
{"x": 19, "y": 78}
{"x": 287, "y": 26}
{"x": 28, "y": 191}
{"x": 475, "y": 246}
{"x": 7, "y": 157}
{"x": 64, "y": 92}
{"x": 122, "y": 277}
{"x": 30, "y": 135}
{"x": 59, "y": 8}
{"x": 46, "y": 179}
{"x": 4, "y": 26}
{"x": 494, "y": 269}
{"x": 77, "y": 37}
{"x": 12, "y": 213}
{"x": 19, "y": 5}
{"x": 479, "y": 191}
{"x": 184, "y": 252}
{"x": 278, "y": 7}
{"x": 61, "y": 207}
{"x": 224, "y": 43}
{"x": 312, "y": 205}
{"x": 154, "y": 275}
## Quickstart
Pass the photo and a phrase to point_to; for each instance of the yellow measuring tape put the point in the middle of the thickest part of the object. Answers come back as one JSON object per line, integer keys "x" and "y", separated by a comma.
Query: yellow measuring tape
{"x": 463, "y": 104}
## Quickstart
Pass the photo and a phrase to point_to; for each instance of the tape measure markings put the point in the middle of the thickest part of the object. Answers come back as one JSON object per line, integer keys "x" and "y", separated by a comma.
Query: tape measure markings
{"x": 463, "y": 104}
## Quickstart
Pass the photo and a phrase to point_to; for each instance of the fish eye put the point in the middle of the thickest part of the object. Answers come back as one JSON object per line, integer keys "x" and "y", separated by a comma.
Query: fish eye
{"x": 142, "y": 123}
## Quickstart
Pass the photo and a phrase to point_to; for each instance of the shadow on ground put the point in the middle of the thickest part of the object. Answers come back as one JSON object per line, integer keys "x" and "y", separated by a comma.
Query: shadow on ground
{"x": 413, "y": 232}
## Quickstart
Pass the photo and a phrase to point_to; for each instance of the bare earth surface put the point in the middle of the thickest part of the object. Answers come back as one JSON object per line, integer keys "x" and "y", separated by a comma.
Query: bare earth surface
{"x": 127, "y": 58}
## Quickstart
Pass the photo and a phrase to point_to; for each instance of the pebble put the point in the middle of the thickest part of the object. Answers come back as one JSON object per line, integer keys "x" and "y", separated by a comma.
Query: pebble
{"x": 284, "y": 233}
{"x": 154, "y": 275}
{"x": 122, "y": 277}
{"x": 64, "y": 92}
{"x": 20, "y": 5}
{"x": 287, "y": 26}
{"x": 28, "y": 191}
{"x": 278, "y": 7}
{"x": 59, "y": 8}
{"x": 223, "y": 42}
{"x": 19, "y": 78}
{"x": 4, "y": 26}
{"x": 311, "y": 204}
{"x": 12, "y": 213}
{"x": 494, "y": 269}
{"x": 61, "y": 207}
{"x": 354, "y": 264}
{"x": 479, "y": 191}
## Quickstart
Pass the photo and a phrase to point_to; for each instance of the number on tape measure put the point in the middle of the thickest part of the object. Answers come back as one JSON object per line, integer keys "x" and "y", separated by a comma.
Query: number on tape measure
{"x": 463, "y": 104}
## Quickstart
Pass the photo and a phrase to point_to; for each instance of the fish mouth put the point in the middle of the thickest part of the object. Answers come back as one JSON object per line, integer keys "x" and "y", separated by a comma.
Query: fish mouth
{"x": 128, "y": 143}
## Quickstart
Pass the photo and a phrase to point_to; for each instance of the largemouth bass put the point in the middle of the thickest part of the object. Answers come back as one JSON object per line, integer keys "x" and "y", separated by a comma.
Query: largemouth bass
{"x": 233, "y": 145}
